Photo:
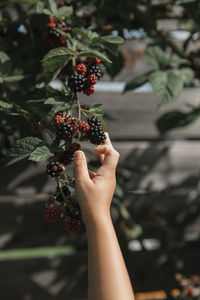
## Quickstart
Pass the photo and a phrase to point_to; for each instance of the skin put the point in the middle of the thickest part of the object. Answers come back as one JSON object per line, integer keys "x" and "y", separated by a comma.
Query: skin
{"x": 107, "y": 274}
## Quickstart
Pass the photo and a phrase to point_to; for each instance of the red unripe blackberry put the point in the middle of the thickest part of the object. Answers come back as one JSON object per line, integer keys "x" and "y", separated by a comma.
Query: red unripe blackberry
{"x": 51, "y": 25}
{"x": 84, "y": 127}
{"x": 75, "y": 147}
{"x": 71, "y": 119}
{"x": 88, "y": 90}
{"x": 72, "y": 225}
{"x": 1, "y": 19}
{"x": 81, "y": 69}
{"x": 50, "y": 213}
{"x": 52, "y": 19}
{"x": 63, "y": 39}
{"x": 92, "y": 79}
{"x": 58, "y": 119}
{"x": 95, "y": 60}
{"x": 75, "y": 126}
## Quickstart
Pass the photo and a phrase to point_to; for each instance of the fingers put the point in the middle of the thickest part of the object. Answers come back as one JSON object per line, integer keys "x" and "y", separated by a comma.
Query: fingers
{"x": 81, "y": 169}
{"x": 91, "y": 174}
{"x": 107, "y": 141}
{"x": 111, "y": 157}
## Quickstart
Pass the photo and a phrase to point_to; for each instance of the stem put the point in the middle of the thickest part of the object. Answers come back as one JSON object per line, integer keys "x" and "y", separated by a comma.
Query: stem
{"x": 60, "y": 188}
{"x": 79, "y": 109}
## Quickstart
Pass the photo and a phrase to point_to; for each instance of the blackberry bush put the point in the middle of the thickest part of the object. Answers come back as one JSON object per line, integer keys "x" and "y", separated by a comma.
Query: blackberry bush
{"x": 57, "y": 120}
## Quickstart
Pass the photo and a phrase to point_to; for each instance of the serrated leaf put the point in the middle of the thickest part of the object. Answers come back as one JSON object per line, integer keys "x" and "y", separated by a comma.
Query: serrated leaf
{"x": 39, "y": 7}
{"x": 59, "y": 108}
{"x": 53, "y": 101}
{"x": 5, "y": 63}
{"x": 167, "y": 85}
{"x": 136, "y": 82}
{"x": 5, "y": 105}
{"x": 40, "y": 154}
{"x": 156, "y": 57}
{"x": 47, "y": 12}
{"x": 13, "y": 78}
{"x": 94, "y": 53}
{"x": 117, "y": 65}
{"x": 176, "y": 119}
{"x": 65, "y": 11}
{"x": 56, "y": 52}
{"x": 187, "y": 75}
{"x": 22, "y": 149}
{"x": 97, "y": 110}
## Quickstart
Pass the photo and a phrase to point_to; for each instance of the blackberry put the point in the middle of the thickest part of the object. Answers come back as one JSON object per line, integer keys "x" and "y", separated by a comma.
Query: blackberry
{"x": 88, "y": 90}
{"x": 75, "y": 147}
{"x": 81, "y": 69}
{"x": 54, "y": 169}
{"x": 96, "y": 134}
{"x": 72, "y": 225}
{"x": 66, "y": 192}
{"x": 66, "y": 158}
{"x": 58, "y": 119}
{"x": 50, "y": 213}
{"x": 84, "y": 127}
{"x": 95, "y": 60}
{"x": 55, "y": 32}
{"x": 76, "y": 83}
{"x": 92, "y": 79}
{"x": 64, "y": 131}
{"x": 94, "y": 69}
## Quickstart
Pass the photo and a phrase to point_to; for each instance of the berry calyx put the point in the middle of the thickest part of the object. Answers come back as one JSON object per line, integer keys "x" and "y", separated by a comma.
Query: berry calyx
{"x": 81, "y": 69}
{"x": 54, "y": 169}
{"x": 50, "y": 213}
{"x": 95, "y": 60}
{"x": 89, "y": 90}
{"x": 76, "y": 83}
{"x": 58, "y": 119}
{"x": 84, "y": 127}
{"x": 92, "y": 79}
{"x": 72, "y": 225}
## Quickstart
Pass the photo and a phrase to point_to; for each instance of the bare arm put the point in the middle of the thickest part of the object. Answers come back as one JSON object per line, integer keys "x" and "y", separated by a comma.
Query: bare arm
{"x": 108, "y": 276}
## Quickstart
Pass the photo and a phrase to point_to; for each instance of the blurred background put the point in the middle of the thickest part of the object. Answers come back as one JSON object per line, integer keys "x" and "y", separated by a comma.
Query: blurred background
{"x": 152, "y": 105}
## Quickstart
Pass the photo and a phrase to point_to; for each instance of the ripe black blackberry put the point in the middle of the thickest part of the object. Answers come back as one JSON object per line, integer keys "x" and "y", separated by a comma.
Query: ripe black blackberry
{"x": 66, "y": 158}
{"x": 96, "y": 134}
{"x": 76, "y": 82}
{"x": 55, "y": 32}
{"x": 65, "y": 131}
{"x": 66, "y": 193}
{"x": 54, "y": 169}
{"x": 93, "y": 69}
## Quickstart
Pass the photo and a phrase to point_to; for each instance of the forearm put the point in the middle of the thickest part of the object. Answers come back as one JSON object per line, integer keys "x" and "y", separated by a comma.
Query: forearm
{"x": 107, "y": 273}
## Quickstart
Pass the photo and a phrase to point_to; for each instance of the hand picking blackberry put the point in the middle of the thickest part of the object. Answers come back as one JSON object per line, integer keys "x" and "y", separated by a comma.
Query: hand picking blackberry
{"x": 96, "y": 134}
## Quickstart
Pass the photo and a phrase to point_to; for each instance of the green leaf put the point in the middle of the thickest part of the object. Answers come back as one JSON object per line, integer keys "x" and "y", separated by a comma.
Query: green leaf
{"x": 94, "y": 53}
{"x": 65, "y": 11}
{"x": 136, "y": 82}
{"x": 108, "y": 39}
{"x": 47, "y": 12}
{"x": 97, "y": 110}
{"x": 167, "y": 85}
{"x": 156, "y": 57}
{"x": 13, "y": 78}
{"x": 187, "y": 75}
{"x": 67, "y": 93}
{"x": 54, "y": 61}
{"x": 56, "y": 109}
{"x": 52, "y": 6}
{"x": 5, "y": 105}
{"x": 5, "y": 63}
{"x": 53, "y": 101}
{"x": 176, "y": 119}
{"x": 40, "y": 154}
{"x": 88, "y": 34}
{"x": 117, "y": 65}
{"x": 39, "y": 7}
{"x": 22, "y": 149}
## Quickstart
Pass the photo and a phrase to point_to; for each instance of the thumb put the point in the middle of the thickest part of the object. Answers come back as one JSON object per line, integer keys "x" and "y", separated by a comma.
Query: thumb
{"x": 81, "y": 169}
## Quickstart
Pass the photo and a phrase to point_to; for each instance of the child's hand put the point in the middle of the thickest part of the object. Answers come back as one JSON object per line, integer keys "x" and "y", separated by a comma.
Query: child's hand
{"x": 95, "y": 190}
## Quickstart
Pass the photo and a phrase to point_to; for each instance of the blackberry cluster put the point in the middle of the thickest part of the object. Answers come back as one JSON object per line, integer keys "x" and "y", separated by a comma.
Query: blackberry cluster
{"x": 65, "y": 131}
{"x": 57, "y": 29}
{"x": 66, "y": 192}
{"x": 54, "y": 169}
{"x": 55, "y": 32}
{"x": 66, "y": 157}
{"x": 96, "y": 134}
{"x": 94, "y": 69}
{"x": 76, "y": 82}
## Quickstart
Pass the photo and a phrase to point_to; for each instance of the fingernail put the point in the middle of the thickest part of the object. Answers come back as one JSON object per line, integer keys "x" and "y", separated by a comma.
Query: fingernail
{"x": 78, "y": 154}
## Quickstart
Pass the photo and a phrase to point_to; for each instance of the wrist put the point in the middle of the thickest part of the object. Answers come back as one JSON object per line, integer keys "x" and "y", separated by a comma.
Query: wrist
{"x": 95, "y": 222}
